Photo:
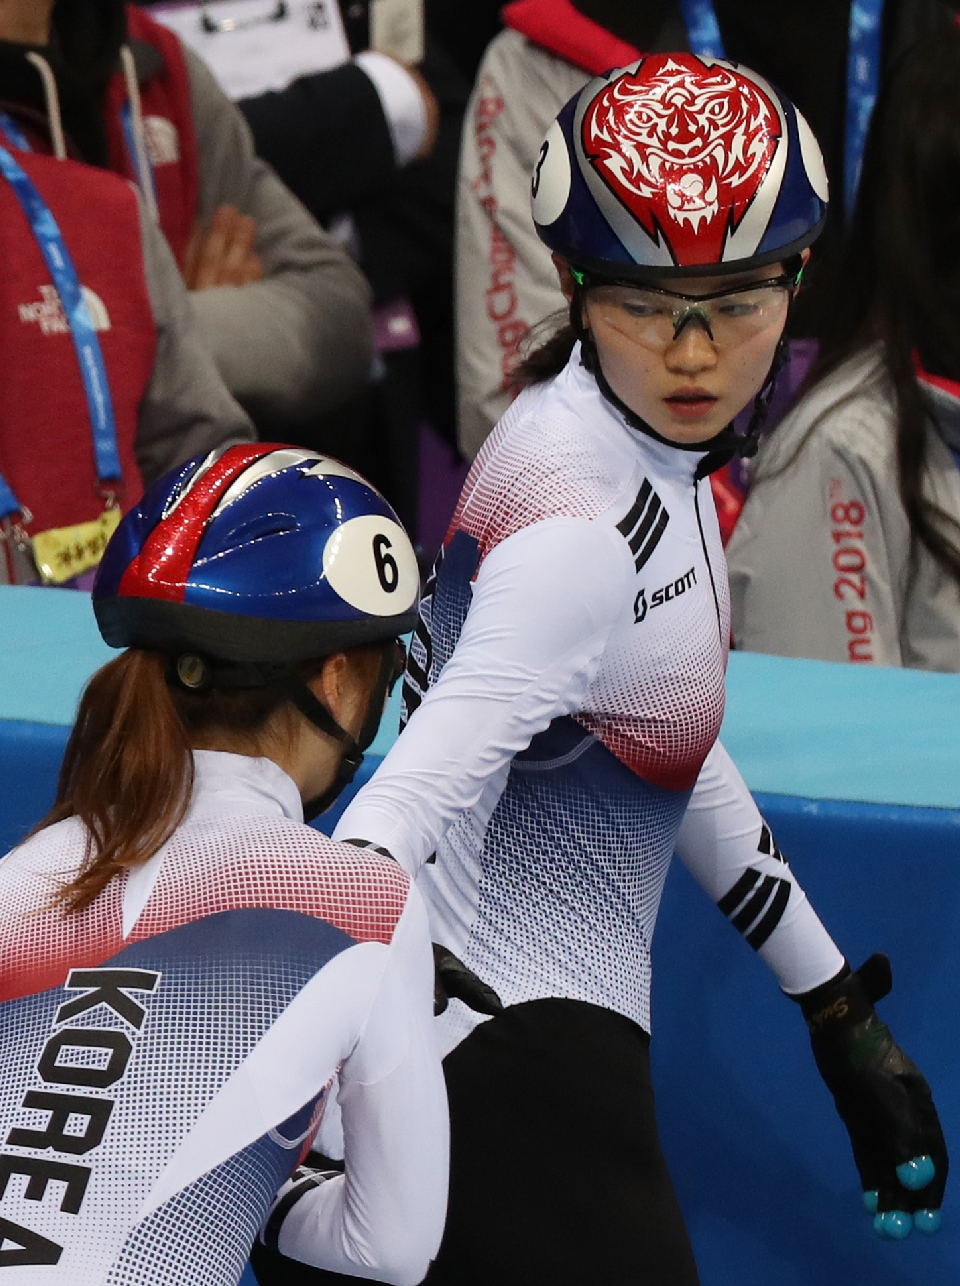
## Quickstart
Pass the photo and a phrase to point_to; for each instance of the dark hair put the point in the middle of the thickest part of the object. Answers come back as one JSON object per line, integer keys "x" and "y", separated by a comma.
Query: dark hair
{"x": 546, "y": 351}
{"x": 899, "y": 280}
{"x": 127, "y": 772}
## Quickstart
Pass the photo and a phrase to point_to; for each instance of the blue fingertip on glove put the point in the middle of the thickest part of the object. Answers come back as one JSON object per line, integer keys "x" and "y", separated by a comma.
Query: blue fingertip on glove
{"x": 871, "y": 1200}
{"x": 893, "y": 1223}
{"x": 927, "y": 1221}
{"x": 916, "y": 1174}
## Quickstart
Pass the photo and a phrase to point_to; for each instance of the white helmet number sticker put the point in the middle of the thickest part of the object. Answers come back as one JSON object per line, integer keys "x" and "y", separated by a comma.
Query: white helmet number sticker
{"x": 550, "y": 183}
{"x": 370, "y": 563}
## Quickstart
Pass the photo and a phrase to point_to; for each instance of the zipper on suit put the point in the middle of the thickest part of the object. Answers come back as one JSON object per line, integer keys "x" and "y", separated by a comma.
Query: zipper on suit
{"x": 706, "y": 555}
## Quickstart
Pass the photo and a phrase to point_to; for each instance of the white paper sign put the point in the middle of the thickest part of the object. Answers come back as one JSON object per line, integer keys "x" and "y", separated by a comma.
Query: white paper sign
{"x": 256, "y": 54}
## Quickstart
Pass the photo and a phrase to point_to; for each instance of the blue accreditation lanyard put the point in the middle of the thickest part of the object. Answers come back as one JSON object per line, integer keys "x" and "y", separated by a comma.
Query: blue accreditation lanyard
{"x": 146, "y": 182}
{"x": 703, "y": 30}
{"x": 863, "y": 83}
{"x": 863, "y": 73}
{"x": 14, "y": 134}
{"x": 93, "y": 371}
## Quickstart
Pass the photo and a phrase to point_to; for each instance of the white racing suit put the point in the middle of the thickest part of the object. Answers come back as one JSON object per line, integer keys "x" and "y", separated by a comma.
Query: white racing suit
{"x": 166, "y": 1054}
{"x": 564, "y": 694}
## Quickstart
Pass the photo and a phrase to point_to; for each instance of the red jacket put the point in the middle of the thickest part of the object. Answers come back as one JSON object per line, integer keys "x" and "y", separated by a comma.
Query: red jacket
{"x": 557, "y": 26}
{"x": 46, "y": 449}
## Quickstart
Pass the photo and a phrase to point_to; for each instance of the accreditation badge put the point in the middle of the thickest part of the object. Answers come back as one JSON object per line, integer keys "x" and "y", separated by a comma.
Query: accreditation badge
{"x": 64, "y": 552}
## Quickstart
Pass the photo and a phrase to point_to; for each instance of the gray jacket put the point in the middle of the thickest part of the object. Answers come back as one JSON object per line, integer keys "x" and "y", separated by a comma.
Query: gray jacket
{"x": 819, "y": 561}
{"x": 298, "y": 343}
{"x": 505, "y": 281}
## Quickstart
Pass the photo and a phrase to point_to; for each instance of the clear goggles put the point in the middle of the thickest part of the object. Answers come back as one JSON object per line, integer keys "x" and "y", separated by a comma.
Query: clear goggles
{"x": 656, "y": 318}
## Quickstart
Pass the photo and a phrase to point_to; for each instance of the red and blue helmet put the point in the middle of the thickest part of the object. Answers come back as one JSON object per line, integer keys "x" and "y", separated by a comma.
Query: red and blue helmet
{"x": 258, "y": 553}
{"x": 678, "y": 164}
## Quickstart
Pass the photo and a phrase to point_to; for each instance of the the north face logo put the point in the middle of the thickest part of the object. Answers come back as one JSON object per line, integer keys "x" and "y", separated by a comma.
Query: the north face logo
{"x": 47, "y": 311}
{"x": 163, "y": 140}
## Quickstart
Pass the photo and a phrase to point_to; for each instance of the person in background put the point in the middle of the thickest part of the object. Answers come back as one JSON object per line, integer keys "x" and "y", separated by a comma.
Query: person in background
{"x": 278, "y": 304}
{"x": 371, "y": 148}
{"x": 565, "y": 689}
{"x": 185, "y": 967}
{"x": 848, "y": 548}
{"x": 506, "y": 283}
{"x": 106, "y": 382}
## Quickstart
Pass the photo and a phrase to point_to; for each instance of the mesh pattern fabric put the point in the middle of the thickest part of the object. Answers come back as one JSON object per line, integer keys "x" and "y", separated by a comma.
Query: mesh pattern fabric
{"x": 538, "y": 463}
{"x": 209, "y": 866}
{"x": 173, "y": 1246}
{"x": 218, "y": 995}
{"x": 568, "y": 881}
{"x": 659, "y": 708}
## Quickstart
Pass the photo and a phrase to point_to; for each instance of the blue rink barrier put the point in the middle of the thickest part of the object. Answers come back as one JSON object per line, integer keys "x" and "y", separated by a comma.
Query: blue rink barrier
{"x": 761, "y": 1163}
{"x": 857, "y": 770}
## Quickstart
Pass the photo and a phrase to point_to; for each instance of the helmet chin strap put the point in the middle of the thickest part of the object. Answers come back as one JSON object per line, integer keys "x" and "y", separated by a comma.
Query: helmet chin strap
{"x": 196, "y": 673}
{"x": 297, "y": 691}
{"x": 721, "y": 448}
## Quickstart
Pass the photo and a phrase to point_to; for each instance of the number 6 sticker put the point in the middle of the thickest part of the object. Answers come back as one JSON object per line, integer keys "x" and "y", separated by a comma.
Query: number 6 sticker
{"x": 371, "y": 565}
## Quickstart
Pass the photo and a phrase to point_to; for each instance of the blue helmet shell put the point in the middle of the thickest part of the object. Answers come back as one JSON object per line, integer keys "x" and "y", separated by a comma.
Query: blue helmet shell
{"x": 678, "y": 165}
{"x": 261, "y": 553}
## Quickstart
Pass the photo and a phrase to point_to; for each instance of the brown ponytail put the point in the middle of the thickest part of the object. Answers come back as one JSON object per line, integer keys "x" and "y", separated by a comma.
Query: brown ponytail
{"x": 127, "y": 772}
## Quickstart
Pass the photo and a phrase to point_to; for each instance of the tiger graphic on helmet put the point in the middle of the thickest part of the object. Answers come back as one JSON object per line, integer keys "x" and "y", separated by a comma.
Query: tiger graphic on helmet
{"x": 677, "y": 146}
{"x": 678, "y": 163}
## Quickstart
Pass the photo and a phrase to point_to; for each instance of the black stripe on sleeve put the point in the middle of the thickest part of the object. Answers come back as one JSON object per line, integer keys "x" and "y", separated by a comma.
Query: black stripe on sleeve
{"x": 752, "y": 908}
{"x": 627, "y": 524}
{"x": 771, "y": 918}
{"x": 768, "y": 845}
{"x": 646, "y": 522}
{"x": 411, "y": 699}
{"x": 747, "y": 882}
{"x": 653, "y": 541}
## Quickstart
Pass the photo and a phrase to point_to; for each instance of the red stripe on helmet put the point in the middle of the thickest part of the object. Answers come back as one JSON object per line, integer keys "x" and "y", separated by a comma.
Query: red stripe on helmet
{"x": 163, "y": 566}
{"x": 561, "y": 29}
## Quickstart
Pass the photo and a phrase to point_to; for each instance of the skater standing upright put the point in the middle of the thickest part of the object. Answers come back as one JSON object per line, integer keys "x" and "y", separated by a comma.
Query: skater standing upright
{"x": 565, "y": 691}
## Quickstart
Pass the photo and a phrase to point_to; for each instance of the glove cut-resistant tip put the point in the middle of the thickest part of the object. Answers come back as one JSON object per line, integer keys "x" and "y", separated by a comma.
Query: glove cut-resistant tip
{"x": 916, "y": 1174}
{"x": 927, "y": 1221}
{"x": 893, "y": 1223}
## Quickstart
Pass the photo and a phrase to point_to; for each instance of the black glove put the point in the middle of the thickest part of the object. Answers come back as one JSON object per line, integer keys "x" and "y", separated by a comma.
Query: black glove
{"x": 882, "y": 1098}
{"x": 454, "y": 979}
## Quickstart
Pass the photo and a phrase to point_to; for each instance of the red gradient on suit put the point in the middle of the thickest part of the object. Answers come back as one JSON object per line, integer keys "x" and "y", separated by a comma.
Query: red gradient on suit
{"x": 276, "y": 865}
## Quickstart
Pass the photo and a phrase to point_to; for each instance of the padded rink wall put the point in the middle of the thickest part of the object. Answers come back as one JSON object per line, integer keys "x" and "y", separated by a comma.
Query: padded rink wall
{"x": 858, "y": 773}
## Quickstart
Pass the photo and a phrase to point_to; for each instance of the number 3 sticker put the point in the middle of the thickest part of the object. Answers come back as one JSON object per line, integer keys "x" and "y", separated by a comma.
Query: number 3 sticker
{"x": 370, "y": 564}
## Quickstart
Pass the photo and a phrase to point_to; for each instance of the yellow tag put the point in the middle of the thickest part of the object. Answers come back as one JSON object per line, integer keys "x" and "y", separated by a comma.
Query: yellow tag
{"x": 64, "y": 552}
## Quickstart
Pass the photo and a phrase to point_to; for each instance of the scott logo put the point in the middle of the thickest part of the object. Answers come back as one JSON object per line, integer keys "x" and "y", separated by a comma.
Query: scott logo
{"x": 663, "y": 595}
